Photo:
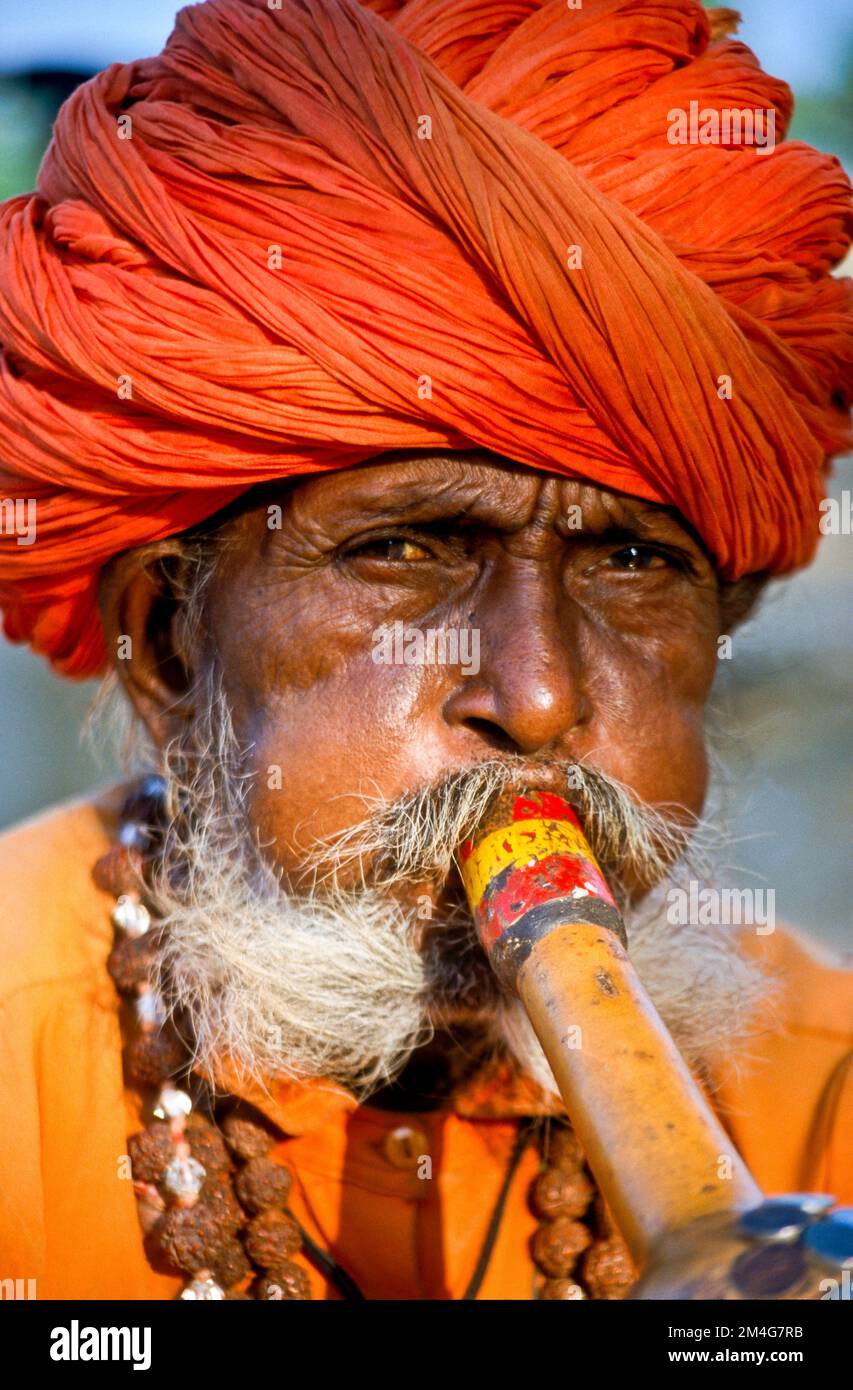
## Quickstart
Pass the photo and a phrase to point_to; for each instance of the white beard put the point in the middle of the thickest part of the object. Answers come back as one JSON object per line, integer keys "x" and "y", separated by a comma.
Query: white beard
{"x": 339, "y": 985}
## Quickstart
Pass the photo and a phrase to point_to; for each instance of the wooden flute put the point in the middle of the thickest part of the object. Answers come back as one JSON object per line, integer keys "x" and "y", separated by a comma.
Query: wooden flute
{"x": 694, "y": 1219}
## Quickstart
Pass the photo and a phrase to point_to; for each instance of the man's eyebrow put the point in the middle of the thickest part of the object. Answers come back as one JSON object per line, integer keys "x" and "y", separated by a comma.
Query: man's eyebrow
{"x": 637, "y": 527}
{"x": 676, "y": 525}
{"x": 418, "y": 499}
{"x": 645, "y": 523}
{"x": 613, "y": 531}
{"x": 448, "y": 501}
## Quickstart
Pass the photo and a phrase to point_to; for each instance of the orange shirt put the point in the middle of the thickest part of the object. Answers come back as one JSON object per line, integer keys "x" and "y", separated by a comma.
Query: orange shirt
{"x": 67, "y": 1210}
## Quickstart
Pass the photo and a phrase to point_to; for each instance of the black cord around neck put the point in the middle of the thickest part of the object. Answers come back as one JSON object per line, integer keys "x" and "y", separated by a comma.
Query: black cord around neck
{"x": 525, "y": 1129}
{"x": 349, "y": 1289}
{"x": 329, "y": 1266}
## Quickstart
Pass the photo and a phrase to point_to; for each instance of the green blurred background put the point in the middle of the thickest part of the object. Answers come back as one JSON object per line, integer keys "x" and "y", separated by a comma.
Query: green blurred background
{"x": 783, "y": 700}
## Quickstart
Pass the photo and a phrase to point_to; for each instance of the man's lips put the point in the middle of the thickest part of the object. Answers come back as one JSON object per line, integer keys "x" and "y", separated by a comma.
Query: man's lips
{"x": 544, "y": 778}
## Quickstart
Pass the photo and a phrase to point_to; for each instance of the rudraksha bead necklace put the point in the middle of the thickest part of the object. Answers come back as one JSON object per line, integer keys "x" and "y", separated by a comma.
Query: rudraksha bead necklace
{"x": 213, "y": 1204}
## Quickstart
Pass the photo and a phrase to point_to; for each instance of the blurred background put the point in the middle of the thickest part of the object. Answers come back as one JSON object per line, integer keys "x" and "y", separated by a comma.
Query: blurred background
{"x": 783, "y": 700}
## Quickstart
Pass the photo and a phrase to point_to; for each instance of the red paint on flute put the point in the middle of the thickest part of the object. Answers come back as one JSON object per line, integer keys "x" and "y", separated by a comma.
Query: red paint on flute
{"x": 543, "y": 806}
{"x": 530, "y": 885}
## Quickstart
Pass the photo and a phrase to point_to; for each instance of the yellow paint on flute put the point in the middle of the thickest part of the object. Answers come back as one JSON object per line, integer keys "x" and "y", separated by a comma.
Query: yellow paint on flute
{"x": 521, "y": 842}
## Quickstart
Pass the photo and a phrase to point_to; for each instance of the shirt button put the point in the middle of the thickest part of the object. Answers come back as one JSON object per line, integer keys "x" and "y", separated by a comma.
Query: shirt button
{"x": 404, "y": 1146}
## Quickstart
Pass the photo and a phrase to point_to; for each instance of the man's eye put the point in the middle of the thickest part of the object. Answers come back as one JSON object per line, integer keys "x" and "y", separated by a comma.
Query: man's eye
{"x": 389, "y": 548}
{"x": 639, "y": 557}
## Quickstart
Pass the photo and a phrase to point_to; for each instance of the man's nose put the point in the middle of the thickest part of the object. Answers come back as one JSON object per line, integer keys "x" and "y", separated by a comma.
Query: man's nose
{"x": 530, "y": 693}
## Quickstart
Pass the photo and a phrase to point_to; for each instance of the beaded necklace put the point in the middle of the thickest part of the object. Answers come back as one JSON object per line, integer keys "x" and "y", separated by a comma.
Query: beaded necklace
{"x": 213, "y": 1203}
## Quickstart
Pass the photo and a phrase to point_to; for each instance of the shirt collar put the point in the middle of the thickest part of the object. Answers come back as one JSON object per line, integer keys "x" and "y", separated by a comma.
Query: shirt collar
{"x": 497, "y": 1092}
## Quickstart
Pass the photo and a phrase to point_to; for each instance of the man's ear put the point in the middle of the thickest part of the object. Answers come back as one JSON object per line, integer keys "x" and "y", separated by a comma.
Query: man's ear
{"x": 140, "y": 612}
{"x": 738, "y": 598}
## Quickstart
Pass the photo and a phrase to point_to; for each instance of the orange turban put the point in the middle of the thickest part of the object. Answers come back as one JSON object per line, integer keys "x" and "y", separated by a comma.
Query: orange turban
{"x": 309, "y": 233}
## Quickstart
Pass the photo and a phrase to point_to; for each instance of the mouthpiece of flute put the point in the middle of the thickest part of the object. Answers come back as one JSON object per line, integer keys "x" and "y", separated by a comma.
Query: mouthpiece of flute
{"x": 527, "y": 869}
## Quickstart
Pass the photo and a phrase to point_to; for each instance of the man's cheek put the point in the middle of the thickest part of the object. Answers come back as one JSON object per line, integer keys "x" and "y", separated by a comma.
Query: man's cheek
{"x": 691, "y": 660}
{"x": 649, "y": 731}
{"x": 311, "y": 752}
{"x": 670, "y": 765}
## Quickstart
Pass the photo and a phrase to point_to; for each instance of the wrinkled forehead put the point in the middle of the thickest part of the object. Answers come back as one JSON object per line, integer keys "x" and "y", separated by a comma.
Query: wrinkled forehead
{"x": 475, "y": 487}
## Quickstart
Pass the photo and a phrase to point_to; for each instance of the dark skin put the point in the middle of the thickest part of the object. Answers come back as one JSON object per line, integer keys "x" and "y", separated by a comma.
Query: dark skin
{"x": 596, "y": 644}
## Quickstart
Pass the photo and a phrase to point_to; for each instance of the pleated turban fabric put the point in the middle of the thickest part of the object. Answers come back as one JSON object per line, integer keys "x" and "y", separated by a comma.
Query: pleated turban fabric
{"x": 306, "y": 234}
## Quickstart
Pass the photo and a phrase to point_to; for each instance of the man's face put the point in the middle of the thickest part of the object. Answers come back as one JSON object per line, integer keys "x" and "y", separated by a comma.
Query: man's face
{"x": 597, "y": 618}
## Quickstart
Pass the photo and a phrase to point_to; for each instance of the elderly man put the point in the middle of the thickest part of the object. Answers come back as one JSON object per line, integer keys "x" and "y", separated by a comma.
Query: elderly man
{"x": 404, "y": 411}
